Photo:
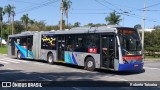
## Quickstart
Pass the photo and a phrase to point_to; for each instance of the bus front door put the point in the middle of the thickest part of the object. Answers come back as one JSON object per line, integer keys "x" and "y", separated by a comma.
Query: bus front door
{"x": 61, "y": 47}
{"x": 107, "y": 51}
{"x": 29, "y": 47}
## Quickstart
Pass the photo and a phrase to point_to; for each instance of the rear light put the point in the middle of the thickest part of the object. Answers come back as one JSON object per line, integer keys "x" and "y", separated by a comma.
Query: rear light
{"x": 132, "y": 57}
{"x": 92, "y": 50}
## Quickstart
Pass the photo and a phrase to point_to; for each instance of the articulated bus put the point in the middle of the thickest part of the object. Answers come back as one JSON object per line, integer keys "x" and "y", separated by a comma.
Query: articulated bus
{"x": 105, "y": 47}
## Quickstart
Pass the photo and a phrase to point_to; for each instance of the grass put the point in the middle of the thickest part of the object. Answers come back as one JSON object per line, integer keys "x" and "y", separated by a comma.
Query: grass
{"x": 151, "y": 58}
{"x": 3, "y": 49}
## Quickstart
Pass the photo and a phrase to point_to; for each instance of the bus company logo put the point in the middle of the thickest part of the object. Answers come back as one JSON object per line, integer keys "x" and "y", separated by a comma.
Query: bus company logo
{"x": 6, "y": 84}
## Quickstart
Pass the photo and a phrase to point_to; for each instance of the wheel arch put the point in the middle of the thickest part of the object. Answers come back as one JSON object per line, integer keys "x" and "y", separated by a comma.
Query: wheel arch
{"x": 87, "y": 57}
{"x": 49, "y": 53}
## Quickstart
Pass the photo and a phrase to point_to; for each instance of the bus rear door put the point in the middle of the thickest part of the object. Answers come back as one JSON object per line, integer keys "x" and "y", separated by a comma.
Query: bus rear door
{"x": 29, "y": 47}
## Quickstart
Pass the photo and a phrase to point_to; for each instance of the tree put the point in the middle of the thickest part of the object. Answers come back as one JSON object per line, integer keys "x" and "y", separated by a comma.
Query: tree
{"x": 18, "y": 26}
{"x": 66, "y": 7}
{"x": 113, "y": 19}
{"x": 63, "y": 22}
{"x": 98, "y": 24}
{"x": 38, "y": 26}
{"x": 76, "y": 24}
{"x": 152, "y": 41}
{"x": 138, "y": 26}
{"x": 90, "y": 24}
{"x": 8, "y": 10}
{"x": 32, "y": 22}
{"x": 5, "y": 32}
{"x": 157, "y": 27}
{"x": 25, "y": 19}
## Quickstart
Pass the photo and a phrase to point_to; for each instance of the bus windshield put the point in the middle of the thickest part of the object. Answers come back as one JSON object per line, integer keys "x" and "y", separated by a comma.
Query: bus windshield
{"x": 130, "y": 41}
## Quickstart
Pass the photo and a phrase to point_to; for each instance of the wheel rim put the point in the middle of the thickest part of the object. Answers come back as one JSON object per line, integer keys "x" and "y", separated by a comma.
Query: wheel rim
{"x": 50, "y": 59}
{"x": 90, "y": 64}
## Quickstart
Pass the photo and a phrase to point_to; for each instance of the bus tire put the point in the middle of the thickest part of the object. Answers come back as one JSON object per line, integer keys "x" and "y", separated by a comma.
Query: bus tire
{"x": 18, "y": 55}
{"x": 90, "y": 64}
{"x": 50, "y": 58}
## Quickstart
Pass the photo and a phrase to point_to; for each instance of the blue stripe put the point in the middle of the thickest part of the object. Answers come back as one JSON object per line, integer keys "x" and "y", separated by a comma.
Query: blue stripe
{"x": 23, "y": 52}
{"x": 130, "y": 67}
{"x": 74, "y": 60}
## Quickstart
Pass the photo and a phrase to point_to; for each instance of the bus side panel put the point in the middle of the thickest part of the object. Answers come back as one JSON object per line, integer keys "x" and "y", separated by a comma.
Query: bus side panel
{"x": 9, "y": 49}
{"x": 116, "y": 64}
{"x": 24, "y": 52}
{"x": 77, "y": 58}
{"x": 36, "y": 46}
{"x": 44, "y": 54}
{"x": 16, "y": 50}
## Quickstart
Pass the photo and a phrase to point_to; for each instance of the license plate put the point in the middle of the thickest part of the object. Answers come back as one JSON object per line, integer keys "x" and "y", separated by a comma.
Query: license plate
{"x": 135, "y": 65}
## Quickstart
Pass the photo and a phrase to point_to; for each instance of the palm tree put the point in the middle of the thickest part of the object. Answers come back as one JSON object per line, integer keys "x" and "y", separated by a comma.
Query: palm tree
{"x": 32, "y": 22}
{"x": 66, "y": 7}
{"x": 25, "y": 19}
{"x": 8, "y": 10}
{"x": 113, "y": 19}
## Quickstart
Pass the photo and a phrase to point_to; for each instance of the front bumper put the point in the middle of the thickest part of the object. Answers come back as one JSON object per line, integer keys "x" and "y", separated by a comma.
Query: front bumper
{"x": 131, "y": 66}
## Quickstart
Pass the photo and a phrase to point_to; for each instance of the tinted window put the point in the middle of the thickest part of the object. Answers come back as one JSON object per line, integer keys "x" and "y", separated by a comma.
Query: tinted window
{"x": 48, "y": 41}
{"x": 84, "y": 42}
{"x": 70, "y": 42}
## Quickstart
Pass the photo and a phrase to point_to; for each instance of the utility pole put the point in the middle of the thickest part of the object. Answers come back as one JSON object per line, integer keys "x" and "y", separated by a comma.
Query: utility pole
{"x": 1, "y": 19}
{"x": 13, "y": 18}
{"x": 61, "y": 20}
{"x": 123, "y": 20}
{"x": 143, "y": 26}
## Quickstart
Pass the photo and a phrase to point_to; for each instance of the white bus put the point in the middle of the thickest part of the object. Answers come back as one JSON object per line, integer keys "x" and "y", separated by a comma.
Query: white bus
{"x": 107, "y": 47}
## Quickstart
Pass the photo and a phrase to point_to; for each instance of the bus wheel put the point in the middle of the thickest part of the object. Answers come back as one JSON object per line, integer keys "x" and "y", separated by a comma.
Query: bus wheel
{"x": 18, "y": 55}
{"x": 50, "y": 58}
{"x": 90, "y": 64}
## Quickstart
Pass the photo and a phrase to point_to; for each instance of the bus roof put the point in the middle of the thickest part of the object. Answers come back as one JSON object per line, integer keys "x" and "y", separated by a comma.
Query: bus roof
{"x": 27, "y": 33}
{"x": 76, "y": 30}
{"x": 85, "y": 29}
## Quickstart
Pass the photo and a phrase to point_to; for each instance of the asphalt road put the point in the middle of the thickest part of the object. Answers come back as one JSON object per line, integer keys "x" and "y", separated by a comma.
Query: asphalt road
{"x": 29, "y": 70}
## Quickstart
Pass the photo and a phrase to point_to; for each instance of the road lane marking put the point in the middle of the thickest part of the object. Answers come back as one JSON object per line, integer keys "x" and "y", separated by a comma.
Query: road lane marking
{"x": 8, "y": 60}
{"x": 45, "y": 79}
{"x": 152, "y": 68}
{"x": 77, "y": 88}
{"x": 76, "y": 71}
{"x": 51, "y": 75}
{"x": 39, "y": 63}
{"x": 3, "y": 62}
{"x": 55, "y": 66}
{"x": 10, "y": 68}
{"x": 8, "y": 72}
{"x": 117, "y": 78}
{"x": 14, "y": 59}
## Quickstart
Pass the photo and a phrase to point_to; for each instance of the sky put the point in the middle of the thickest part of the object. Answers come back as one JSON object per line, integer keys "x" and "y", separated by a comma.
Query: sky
{"x": 88, "y": 11}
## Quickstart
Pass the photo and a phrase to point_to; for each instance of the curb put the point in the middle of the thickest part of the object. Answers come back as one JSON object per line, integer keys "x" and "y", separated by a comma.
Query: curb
{"x": 3, "y": 54}
{"x": 151, "y": 60}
